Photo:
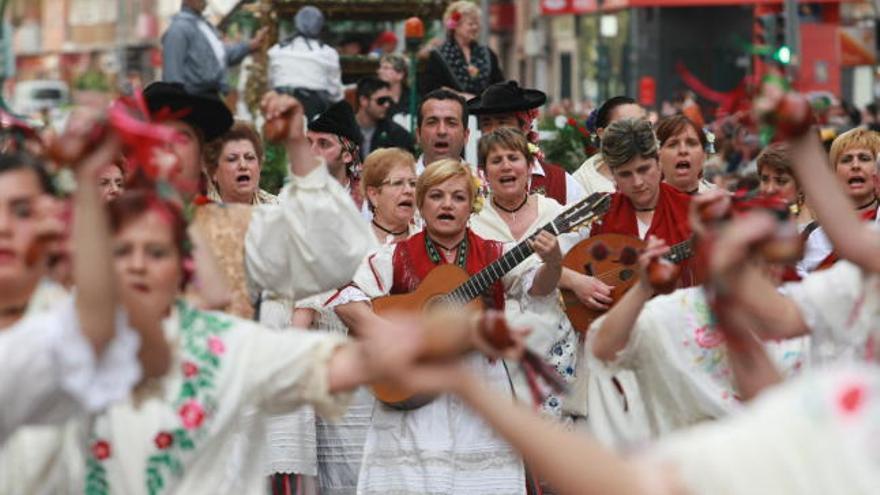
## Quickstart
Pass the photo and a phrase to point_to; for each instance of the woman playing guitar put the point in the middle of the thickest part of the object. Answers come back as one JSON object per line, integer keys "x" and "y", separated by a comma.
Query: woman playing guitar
{"x": 442, "y": 446}
{"x": 511, "y": 214}
{"x": 642, "y": 205}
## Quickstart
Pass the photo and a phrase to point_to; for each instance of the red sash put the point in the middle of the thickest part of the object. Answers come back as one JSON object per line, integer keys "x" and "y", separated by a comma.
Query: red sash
{"x": 832, "y": 258}
{"x": 551, "y": 184}
{"x": 670, "y": 222}
{"x": 412, "y": 263}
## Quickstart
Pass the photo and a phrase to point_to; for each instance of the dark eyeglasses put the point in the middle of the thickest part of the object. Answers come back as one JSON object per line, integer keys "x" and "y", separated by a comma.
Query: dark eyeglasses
{"x": 385, "y": 100}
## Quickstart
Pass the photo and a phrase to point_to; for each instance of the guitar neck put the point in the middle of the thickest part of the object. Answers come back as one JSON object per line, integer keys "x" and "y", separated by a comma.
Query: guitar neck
{"x": 480, "y": 283}
{"x": 681, "y": 251}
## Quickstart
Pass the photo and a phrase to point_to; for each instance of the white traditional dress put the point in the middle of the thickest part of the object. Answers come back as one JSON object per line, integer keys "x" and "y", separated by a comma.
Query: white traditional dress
{"x": 50, "y": 372}
{"x": 814, "y": 435}
{"x": 841, "y": 307}
{"x": 183, "y": 434}
{"x": 442, "y": 447}
{"x": 552, "y": 335}
{"x": 591, "y": 179}
{"x": 680, "y": 361}
{"x": 339, "y": 444}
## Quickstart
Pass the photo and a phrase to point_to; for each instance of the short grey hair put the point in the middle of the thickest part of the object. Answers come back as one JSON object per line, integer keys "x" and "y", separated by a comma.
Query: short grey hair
{"x": 627, "y": 139}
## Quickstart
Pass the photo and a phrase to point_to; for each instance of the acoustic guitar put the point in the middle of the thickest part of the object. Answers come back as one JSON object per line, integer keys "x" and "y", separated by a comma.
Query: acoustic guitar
{"x": 449, "y": 285}
{"x": 614, "y": 260}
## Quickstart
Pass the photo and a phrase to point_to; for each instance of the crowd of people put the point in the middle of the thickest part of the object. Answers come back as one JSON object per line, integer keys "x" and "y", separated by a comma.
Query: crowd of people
{"x": 400, "y": 322}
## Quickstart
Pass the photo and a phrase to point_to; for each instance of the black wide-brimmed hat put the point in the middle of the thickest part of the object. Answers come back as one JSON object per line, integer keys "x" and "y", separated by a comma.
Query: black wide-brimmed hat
{"x": 506, "y": 97}
{"x": 339, "y": 120}
{"x": 170, "y": 101}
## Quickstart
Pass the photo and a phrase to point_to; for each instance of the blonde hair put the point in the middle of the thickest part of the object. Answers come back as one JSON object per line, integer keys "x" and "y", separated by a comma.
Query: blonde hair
{"x": 440, "y": 172}
{"x": 378, "y": 165}
{"x": 854, "y": 138}
{"x": 463, "y": 7}
{"x": 505, "y": 138}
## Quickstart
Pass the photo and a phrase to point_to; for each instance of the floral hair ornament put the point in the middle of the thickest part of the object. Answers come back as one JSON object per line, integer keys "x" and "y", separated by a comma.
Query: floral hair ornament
{"x": 481, "y": 190}
{"x": 144, "y": 143}
{"x": 453, "y": 20}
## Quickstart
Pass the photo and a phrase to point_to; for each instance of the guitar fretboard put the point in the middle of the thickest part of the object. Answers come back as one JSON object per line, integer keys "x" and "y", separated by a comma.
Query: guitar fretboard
{"x": 681, "y": 251}
{"x": 584, "y": 210}
{"x": 479, "y": 283}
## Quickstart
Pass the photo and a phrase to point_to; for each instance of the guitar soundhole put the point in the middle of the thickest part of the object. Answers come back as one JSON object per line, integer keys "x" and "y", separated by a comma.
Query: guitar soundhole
{"x": 599, "y": 252}
{"x": 629, "y": 256}
{"x": 626, "y": 274}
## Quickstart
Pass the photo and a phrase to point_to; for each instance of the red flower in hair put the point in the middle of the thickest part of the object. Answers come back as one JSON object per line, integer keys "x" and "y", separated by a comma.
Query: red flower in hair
{"x": 456, "y": 16}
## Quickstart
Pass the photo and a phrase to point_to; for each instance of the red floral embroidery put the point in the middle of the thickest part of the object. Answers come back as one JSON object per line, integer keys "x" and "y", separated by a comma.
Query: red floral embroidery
{"x": 190, "y": 369}
{"x": 852, "y": 398}
{"x": 163, "y": 440}
{"x": 192, "y": 414}
{"x": 708, "y": 338}
{"x": 216, "y": 345}
{"x": 101, "y": 449}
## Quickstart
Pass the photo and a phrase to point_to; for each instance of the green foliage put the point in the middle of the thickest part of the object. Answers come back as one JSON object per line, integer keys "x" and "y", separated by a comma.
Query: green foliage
{"x": 274, "y": 170}
{"x": 568, "y": 146}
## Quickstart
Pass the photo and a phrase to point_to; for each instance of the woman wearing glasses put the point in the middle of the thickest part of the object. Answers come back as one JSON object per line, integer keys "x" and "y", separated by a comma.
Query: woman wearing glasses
{"x": 389, "y": 184}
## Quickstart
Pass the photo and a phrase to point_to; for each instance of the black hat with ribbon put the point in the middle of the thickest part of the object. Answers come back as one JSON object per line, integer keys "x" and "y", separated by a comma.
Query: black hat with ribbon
{"x": 206, "y": 112}
{"x": 339, "y": 120}
{"x": 506, "y": 97}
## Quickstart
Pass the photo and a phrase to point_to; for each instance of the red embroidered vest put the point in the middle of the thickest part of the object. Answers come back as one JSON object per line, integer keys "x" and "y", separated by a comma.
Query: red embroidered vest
{"x": 412, "y": 264}
{"x": 551, "y": 184}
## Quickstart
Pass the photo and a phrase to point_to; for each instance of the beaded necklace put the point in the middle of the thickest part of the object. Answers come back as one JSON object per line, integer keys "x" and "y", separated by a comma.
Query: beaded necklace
{"x": 460, "y": 258}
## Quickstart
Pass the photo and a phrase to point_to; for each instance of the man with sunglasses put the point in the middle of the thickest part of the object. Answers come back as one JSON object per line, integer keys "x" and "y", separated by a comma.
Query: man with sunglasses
{"x": 377, "y": 128}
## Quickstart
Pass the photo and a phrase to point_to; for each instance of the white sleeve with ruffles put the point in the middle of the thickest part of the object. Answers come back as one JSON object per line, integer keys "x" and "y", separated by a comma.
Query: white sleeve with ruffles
{"x": 50, "y": 371}
{"x": 373, "y": 278}
{"x": 311, "y": 242}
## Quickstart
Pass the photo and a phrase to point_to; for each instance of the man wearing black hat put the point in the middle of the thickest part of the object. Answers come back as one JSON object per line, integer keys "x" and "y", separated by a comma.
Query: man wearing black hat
{"x": 374, "y": 121}
{"x": 335, "y": 136}
{"x": 505, "y": 104}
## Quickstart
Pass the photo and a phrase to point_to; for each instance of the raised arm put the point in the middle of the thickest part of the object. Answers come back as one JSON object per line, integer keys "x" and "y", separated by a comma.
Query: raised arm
{"x": 314, "y": 240}
{"x": 96, "y": 301}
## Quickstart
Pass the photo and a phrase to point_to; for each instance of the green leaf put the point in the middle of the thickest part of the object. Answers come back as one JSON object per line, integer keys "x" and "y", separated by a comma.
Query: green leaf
{"x": 187, "y": 390}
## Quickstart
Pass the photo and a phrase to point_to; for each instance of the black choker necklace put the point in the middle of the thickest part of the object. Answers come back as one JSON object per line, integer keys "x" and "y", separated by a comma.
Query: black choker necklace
{"x": 868, "y": 204}
{"x": 514, "y": 210}
{"x": 643, "y": 210}
{"x": 390, "y": 232}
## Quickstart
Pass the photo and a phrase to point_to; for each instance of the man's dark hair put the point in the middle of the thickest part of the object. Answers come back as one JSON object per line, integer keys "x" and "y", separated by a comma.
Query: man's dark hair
{"x": 367, "y": 86}
{"x": 443, "y": 94}
{"x": 19, "y": 160}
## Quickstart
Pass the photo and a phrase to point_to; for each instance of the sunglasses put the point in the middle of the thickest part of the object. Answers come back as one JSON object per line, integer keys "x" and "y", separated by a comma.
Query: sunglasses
{"x": 385, "y": 100}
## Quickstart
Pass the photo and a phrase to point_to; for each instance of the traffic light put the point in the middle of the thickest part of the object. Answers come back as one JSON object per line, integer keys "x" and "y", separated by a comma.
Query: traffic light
{"x": 781, "y": 50}
{"x": 765, "y": 34}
